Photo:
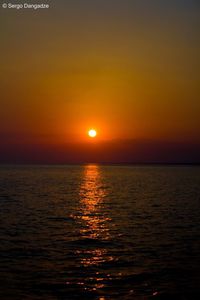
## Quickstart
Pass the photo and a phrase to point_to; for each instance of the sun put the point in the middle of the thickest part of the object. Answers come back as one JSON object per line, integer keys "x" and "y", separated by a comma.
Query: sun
{"x": 92, "y": 133}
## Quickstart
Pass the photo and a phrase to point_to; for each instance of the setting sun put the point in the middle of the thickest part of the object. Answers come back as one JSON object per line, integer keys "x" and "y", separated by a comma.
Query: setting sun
{"x": 92, "y": 133}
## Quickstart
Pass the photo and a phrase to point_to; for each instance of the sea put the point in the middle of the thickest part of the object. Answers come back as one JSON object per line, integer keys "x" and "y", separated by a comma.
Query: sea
{"x": 100, "y": 232}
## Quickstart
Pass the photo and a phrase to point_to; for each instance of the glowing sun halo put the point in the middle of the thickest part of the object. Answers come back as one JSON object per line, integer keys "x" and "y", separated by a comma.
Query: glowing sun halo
{"x": 92, "y": 133}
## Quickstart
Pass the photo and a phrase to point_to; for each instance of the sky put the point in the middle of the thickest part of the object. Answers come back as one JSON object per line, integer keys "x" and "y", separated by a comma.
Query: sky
{"x": 129, "y": 69}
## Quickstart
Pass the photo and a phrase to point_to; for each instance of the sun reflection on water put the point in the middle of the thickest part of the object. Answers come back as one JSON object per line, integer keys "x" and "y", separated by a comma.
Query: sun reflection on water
{"x": 92, "y": 195}
{"x": 93, "y": 217}
{"x": 94, "y": 222}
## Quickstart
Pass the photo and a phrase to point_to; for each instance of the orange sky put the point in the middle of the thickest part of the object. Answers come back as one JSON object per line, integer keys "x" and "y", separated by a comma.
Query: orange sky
{"x": 130, "y": 71}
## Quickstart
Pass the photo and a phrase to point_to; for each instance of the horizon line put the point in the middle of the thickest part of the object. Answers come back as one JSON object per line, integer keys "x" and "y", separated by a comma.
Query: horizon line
{"x": 102, "y": 163}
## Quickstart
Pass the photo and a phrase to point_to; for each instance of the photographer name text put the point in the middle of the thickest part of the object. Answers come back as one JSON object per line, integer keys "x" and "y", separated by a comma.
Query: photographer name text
{"x": 19, "y": 6}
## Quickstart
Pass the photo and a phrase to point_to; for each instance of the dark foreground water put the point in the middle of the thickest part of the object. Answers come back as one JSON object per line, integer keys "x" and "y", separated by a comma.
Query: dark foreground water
{"x": 100, "y": 232}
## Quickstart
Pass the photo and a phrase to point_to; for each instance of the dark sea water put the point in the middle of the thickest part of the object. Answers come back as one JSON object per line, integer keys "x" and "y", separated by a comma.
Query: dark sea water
{"x": 100, "y": 232}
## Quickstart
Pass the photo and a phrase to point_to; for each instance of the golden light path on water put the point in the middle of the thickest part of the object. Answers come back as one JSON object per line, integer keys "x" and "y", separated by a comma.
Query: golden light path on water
{"x": 94, "y": 221}
{"x": 92, "y": 193}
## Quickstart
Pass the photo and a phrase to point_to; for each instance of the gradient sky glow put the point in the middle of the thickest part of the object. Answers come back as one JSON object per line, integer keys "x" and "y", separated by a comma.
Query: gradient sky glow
{"x": 130, "y": 69}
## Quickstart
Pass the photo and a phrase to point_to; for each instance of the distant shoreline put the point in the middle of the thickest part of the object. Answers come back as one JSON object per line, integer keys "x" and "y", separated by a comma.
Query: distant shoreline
{"x": 97, "y": 163}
